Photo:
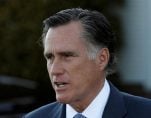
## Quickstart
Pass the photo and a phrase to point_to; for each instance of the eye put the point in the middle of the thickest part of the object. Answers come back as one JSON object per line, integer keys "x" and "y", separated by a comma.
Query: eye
{"x": 68, "y": 54}
{"x": 49, "y": 57}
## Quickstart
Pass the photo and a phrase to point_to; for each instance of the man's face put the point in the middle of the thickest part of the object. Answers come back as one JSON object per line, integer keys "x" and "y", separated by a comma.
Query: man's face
{"x": 75, "y": 78}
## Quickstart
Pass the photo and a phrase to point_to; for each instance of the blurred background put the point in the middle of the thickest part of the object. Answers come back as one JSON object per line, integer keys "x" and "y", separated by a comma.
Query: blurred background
{"x": 24, "y": 82}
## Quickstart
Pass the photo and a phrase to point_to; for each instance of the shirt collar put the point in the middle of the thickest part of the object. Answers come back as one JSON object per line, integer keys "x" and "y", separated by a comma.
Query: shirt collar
{"x": 96, "y": 106}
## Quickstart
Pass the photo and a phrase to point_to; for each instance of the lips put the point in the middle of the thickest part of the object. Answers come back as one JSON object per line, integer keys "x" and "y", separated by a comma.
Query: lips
{"x": 60, "y": 84}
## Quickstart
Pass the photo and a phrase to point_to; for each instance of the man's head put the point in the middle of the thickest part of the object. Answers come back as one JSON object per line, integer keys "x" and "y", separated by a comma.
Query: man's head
{"x": 77, "y": 47}
{"x": 97, "y": 31}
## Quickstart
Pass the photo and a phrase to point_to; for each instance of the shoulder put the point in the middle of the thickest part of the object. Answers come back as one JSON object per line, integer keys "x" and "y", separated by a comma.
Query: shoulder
{"x": 129, "y": 100}
{"x": 133, "y": 106}
{"x": 132, "y": 99}
{"x": 139, "y": 105}
{"x": 46, "y": 110}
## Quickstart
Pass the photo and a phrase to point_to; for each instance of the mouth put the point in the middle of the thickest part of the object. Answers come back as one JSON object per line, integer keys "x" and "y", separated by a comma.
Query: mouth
{"x": 60, "y": 84}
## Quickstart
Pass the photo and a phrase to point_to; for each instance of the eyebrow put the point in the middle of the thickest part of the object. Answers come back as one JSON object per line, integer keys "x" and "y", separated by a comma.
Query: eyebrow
{"x": 69, "y": 53}
{"x": 62, "y": 53}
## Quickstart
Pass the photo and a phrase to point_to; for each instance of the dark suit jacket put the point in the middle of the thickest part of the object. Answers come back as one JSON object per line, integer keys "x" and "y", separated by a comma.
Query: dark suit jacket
{"x": 119, "y": 105}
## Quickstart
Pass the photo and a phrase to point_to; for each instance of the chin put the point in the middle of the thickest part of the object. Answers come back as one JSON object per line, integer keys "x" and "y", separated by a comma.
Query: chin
{"x": 62, "y": 100}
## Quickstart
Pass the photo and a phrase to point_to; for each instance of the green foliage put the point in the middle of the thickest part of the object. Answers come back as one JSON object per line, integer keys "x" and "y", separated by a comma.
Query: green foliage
{"x": 20, "y": 30}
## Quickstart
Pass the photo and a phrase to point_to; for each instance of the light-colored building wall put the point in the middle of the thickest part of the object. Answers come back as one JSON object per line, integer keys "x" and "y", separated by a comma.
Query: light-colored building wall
{"x": 135, "y": 58}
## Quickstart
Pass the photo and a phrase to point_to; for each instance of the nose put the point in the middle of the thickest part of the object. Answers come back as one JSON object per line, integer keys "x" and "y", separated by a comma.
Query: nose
{"x": 55, "y": 68}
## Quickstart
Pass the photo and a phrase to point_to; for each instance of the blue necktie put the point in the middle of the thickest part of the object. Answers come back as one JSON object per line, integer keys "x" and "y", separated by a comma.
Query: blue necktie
{"x": 79, "y": 116}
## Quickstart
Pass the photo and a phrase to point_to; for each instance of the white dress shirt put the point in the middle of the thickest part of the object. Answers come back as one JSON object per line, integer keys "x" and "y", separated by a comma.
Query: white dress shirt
{"x": 96, "y": 107}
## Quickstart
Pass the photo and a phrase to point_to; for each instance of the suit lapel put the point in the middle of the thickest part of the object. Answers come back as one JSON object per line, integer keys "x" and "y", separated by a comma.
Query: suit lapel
{"x": 115, "y": 107}
{"x": 59, "y": 111}
{"x": 63, "y": 112}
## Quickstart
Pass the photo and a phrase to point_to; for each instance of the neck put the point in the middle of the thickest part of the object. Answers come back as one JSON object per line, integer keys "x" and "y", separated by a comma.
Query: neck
{"x": 81, "y": 105}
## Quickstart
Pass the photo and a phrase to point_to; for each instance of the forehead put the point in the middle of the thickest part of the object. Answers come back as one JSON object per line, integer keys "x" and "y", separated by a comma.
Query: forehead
{"x": 68, "y": 36}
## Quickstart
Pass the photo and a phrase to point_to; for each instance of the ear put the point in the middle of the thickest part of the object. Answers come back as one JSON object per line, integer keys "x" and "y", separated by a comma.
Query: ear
{"x": 103, "y": 58}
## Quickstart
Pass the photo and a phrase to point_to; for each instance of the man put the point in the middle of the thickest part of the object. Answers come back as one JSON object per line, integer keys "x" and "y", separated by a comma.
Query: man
{"x": 79, "y": 47}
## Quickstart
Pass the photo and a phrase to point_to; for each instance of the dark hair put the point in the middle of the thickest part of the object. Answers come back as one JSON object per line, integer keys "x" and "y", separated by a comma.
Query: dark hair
{"x": 96, "y": 27}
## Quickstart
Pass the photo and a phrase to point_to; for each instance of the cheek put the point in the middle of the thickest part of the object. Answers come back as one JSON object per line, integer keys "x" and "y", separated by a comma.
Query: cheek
{"x": 49, "y": 69}
{"x": 83, "y": 73}
{"x": 76, "y": 70}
